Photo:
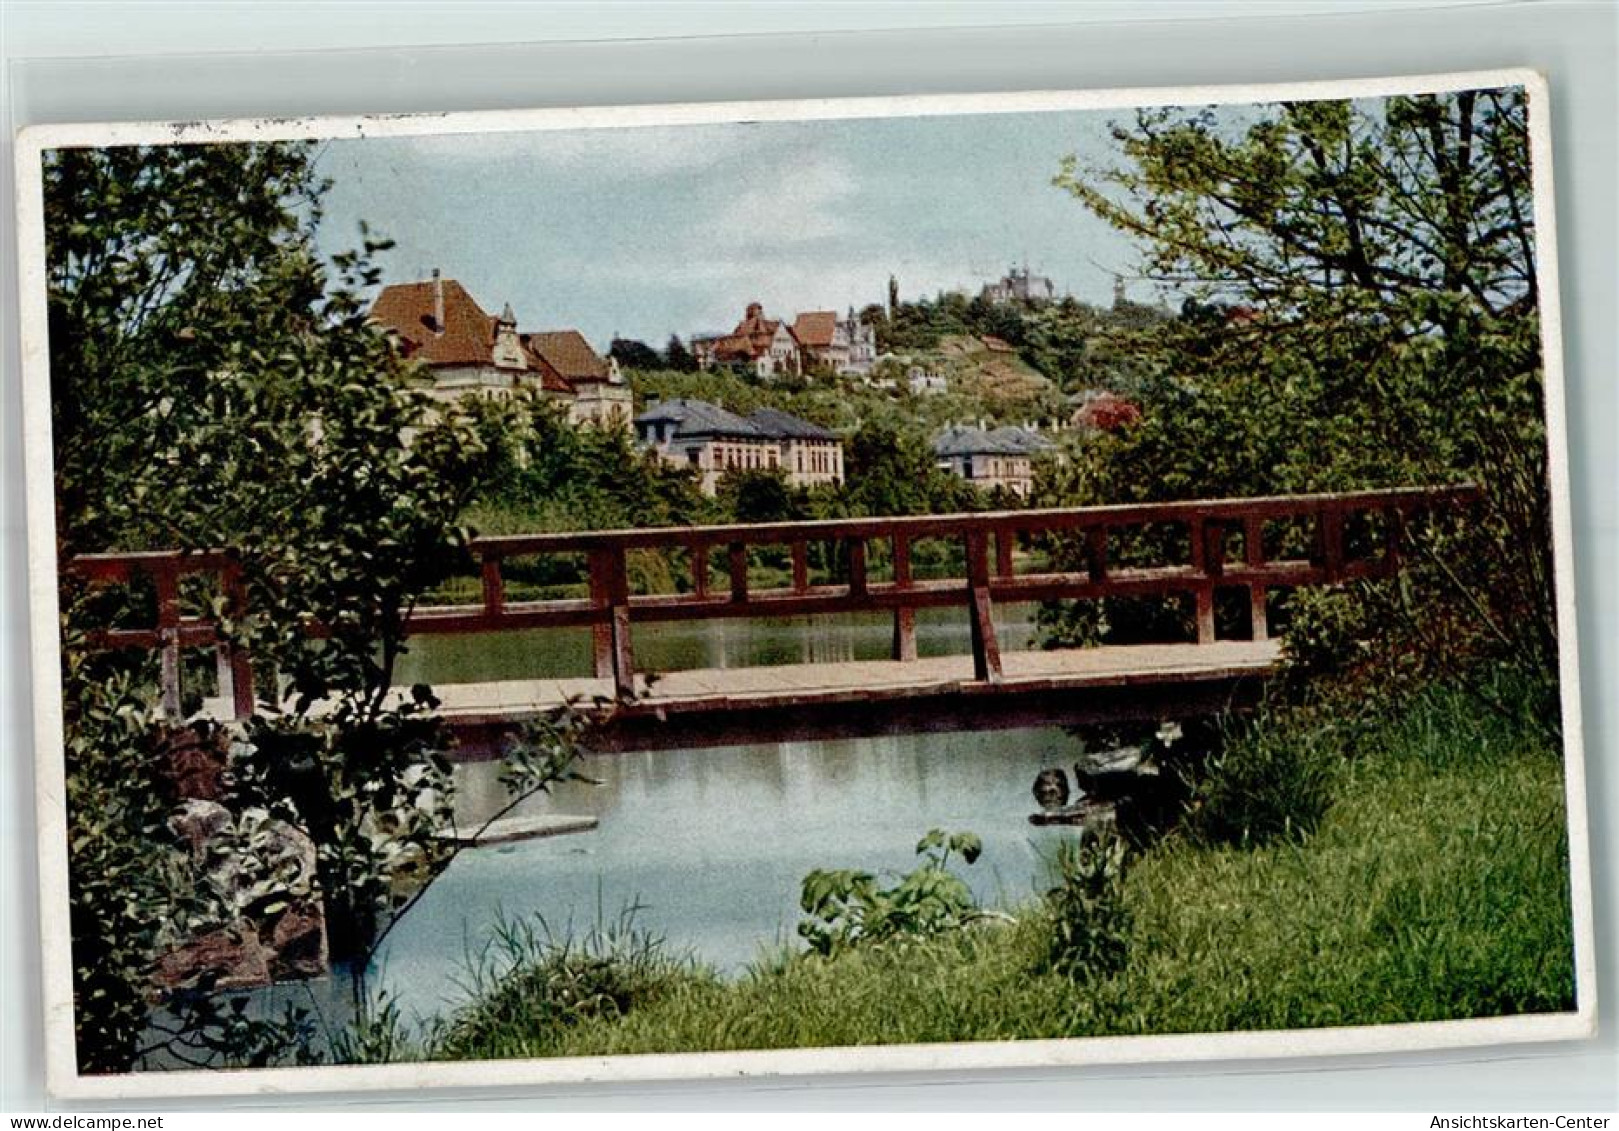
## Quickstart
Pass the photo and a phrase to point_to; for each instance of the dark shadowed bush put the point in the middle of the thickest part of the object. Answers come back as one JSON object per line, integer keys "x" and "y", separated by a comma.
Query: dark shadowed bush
{"x": 1267, "y": 784}
{"x": 1090, "y": 925}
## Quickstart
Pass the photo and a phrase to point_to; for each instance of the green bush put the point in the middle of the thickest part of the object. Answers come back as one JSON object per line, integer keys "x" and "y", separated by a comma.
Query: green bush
{"x": 539, "y": 983}
{"x": 1090, "y": 924}
{"x": 1267, "y": 783}
{"x": 1326, "y": 630}
{"x": 847, "y": 907}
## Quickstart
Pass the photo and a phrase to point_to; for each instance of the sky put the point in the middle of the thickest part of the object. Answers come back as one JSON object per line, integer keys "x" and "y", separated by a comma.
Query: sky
{"x": 651, "y": 231}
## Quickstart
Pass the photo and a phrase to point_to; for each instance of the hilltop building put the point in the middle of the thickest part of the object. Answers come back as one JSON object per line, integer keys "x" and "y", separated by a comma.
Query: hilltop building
{"x": 762, "y": 346}
{"x": 999, "y": 457}
{"x": 713, "y": 441}
{"x": 1019, "y": 285}
{"x": 473, "y": 353}
{"x": 845, "y": 345}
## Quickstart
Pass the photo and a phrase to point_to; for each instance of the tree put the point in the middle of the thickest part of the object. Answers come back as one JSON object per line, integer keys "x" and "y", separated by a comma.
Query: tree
{"x": 1374, "y": 269}
{"x": 215, "y": 385}
{"x": 677, "y": 357}
{"x": 890, "y": 471}
{"x": 761, "y": 495}
{"x": 632, "y": 354}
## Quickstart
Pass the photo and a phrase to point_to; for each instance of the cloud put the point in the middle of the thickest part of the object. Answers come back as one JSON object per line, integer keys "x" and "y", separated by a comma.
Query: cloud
{"x": 787, "y": 204}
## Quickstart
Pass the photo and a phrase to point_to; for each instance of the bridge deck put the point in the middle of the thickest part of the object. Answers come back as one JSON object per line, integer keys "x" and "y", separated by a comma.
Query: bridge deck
{"x": 866, "y": 681}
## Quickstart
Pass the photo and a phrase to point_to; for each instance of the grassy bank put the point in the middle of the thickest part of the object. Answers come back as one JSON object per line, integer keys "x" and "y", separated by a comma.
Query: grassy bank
{"x": 1434, "y": 886}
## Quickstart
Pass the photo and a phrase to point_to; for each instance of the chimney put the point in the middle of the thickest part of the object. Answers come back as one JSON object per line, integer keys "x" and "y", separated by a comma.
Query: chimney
{"x": 438, "y": 302}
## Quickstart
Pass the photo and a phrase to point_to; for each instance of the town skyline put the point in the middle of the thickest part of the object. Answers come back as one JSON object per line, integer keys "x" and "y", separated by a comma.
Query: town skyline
{"x": 647, "y": 232}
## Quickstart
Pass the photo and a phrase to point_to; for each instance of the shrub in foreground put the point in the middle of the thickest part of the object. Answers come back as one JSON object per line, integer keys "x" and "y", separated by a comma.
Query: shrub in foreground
{"x": 1090, "y": 924}
{"x": 848, "y": 907}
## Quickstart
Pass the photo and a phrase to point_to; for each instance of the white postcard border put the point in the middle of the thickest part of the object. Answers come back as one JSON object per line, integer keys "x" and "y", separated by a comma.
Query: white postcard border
{"x": 63, "y": 1079}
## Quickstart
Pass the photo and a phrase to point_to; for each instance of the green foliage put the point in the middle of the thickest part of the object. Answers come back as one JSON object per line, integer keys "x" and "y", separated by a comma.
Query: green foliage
{"x": 564, "y": 476}
{"x": 1265, "y": 784}
{"x": 378, "y": 1035}
{"x": 762, "y": 495}
{"x": 1327, "y": 630}
{"x": 1090, "y": 925}
{"x": 1435, "y": 888}
{"x": 677, "y": 357}
{"x": 126, "y": 871}
{"x": 1364, "y": 315}
{"x": 203, "y": 1030}
{"x": 632, "y": 354}
{"x": 538, "y": 984}
{"x": 372, "y": 792}
{"x": 847, "y": 908}
{"x": 890, "y": 471}
{"x": 214, "y": 384}
{"x": 1084, "y": 347}
{"x": 544, "y": 754}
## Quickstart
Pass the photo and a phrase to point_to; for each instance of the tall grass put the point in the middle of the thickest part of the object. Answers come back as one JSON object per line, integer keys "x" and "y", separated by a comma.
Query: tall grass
{"x": 1434, "y": 885}
{"x": 533, "y": 984}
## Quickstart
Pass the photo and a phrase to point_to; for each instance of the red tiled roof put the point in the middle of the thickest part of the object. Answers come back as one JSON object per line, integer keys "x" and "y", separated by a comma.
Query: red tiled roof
{"x": 815, "y": 329}
{"x": 567, "y": 352}
{"x": 734, "y": 347}
{"x": 556, "y": 358}
{"x": 757, "y": 330}
{"x": 468, "y": 333}
{"x": 550, "y": 380}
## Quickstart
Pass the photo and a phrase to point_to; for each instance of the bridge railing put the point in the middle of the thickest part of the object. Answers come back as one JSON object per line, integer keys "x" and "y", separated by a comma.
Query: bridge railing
{"x": 989, "y": 543}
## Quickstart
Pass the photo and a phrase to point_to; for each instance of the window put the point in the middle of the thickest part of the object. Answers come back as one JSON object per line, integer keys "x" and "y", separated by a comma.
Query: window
{"x": 694, "y": 456}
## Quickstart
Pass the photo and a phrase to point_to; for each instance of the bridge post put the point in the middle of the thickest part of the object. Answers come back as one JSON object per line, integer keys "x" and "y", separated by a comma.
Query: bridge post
{"x": 736, "y": 560}
{"x": 1393, "y": 539}
{"x": 166, "y": 580}
{"x": 235, "y": 666}
{"x": 1096, "y": 554}
{"x": 1330, "y": 524}
{"x": 986, "y": 648}
{"x": 1005, "y": 542}
{"x": 800, "y": 566}
{"x": 494, "y": 586}
{"x": 610, "y": 632}
{"x": 1208, "y": 550}
{"x": 857, "y": 567}
{"x": 1208, "y": 561}
{"x": 904, "y": 616}
{"x": 699, "y": 570}
{"x": 1253, "y": 552}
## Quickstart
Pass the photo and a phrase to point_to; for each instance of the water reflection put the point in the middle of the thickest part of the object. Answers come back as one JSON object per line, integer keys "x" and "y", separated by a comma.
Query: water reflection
{"x": 713, "y": 844}
{"x": 547, "y": 653}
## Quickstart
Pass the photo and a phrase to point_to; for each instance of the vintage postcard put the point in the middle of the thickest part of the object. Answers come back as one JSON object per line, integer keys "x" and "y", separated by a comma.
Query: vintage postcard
{"x": 653, "y": 592}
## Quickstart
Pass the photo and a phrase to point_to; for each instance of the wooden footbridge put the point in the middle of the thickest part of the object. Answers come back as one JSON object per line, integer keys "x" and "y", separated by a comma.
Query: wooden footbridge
{"x": 1207, "y": 548}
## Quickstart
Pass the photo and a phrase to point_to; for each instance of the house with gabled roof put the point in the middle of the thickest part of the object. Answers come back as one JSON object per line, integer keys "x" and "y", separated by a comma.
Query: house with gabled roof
{"x": 762, "y": 346}
{"x": 844, "y": 345}
{"x": 713, "y": 441}
{"x": 990, "y": 458}
{"x": 472, "y": 353}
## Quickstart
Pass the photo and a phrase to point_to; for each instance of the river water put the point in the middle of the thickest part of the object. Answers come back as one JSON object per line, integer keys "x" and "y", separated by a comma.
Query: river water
{"x": 711, "y": 845}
